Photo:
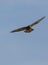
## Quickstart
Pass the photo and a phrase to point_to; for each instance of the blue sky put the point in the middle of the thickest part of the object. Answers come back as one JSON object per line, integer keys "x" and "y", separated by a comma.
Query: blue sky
{"x": 23, "y": 48}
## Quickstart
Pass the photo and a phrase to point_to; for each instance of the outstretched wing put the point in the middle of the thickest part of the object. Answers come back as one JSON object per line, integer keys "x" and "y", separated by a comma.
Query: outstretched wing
{"x": 36, "y": 22}
{"x": 17, "y": 30}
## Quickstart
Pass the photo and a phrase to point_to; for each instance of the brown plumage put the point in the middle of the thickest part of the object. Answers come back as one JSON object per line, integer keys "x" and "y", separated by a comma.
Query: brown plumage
{"x": 29, "y": 27}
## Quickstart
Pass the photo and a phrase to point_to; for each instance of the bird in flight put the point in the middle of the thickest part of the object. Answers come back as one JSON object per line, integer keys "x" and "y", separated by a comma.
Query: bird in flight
{"x": 28, "y": 28}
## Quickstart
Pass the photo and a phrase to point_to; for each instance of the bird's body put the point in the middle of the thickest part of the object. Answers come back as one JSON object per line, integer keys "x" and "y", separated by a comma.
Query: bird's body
{"x": 28, "y": 28}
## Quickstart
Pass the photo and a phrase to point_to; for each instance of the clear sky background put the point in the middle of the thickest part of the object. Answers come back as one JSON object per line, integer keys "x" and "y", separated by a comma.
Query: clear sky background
{"x": 23, "y": 48}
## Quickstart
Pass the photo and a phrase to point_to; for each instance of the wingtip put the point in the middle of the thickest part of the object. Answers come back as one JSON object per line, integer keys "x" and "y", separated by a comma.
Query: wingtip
{"x": 11, "y": 31}
{"x": 44, "y": 16}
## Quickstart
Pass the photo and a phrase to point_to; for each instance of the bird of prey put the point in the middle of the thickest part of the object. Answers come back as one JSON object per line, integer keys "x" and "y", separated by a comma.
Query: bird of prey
{"x": 28, "y": 28}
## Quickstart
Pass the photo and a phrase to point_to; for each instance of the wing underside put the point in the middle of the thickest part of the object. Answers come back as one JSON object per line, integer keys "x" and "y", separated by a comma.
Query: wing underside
{"x": 19, "y": 29}
{"x": 38, "y": 21}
